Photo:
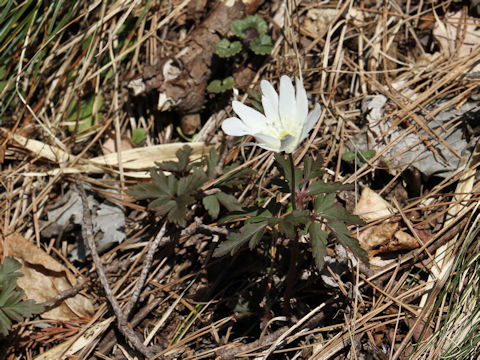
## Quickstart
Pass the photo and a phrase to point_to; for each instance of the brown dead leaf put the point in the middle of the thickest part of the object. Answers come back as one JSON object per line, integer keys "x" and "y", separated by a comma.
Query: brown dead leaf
{"x": 457, "y": 36}
{"x": 386, "y": 239}
{"x": 190, "y": 123}
{"x": 109, "y": 146}
{"x": 377, "y": 236}
{"x": 44, "y": 277}
{"x": 317, "y": 21}
{"x": 401, "y": 242}
{"x": 371, "y": 206}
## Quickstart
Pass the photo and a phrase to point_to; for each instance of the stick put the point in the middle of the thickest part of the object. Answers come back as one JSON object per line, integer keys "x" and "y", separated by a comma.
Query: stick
{"x": 87, "y": 232}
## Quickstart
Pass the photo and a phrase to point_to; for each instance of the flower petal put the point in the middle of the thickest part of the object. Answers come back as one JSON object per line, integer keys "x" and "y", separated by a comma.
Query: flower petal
{"x": 251, "y": 117}
{"x": 235, "y": 127}
{"x": 302, "y": 101}
{"x": 288, "y": 144}
{"x": 311, "y": 121}
{"x": 269, "y": 101}
{"x": 287, "y": 106}
{"x": 268, "y": 142}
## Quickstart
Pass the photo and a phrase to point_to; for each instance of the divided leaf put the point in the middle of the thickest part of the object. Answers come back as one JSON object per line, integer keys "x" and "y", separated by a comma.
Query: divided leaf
{"x": 289, "y": 223}
{"x": 343, "y": 236}
{"x": 180, "y": 166}
{"x": 178, "y": 213}
{"x": 312, "y": 168}
{"x": 318, "y": 237}
{"x": 183, "y": 156}
{"x": 250, "y": 231}
{"x": 212, "y": 205}
{"x": 188, "y": 184}
{"x": 323, "y": 202}
{"x": 320, "y": 186}
{"x": 228, "y": 201}
{"x": 12, "y": 308}
{"x": 212, "y": 161}
{"x": 339, "y": 213}
{"x": 284, "y": 166}
{"x": 8, "y": 270}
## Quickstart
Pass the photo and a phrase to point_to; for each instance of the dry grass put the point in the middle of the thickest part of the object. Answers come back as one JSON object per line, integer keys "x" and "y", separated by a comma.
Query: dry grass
{"x": 422, "y": 305}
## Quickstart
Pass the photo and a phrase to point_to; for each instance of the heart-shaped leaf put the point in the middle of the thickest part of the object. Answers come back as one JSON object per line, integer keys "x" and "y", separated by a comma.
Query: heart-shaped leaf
{"x": 225, "y": 48}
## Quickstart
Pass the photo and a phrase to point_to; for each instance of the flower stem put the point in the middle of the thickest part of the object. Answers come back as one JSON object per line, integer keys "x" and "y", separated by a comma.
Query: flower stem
{"x": 294, "y": 253}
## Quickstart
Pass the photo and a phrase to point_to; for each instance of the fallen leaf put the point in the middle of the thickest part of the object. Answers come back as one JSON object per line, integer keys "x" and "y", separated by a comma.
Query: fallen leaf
{"x": 371, "y": 206}
{"x": 44, "y": 277}
{"x": 317, "y": 21}
{"x": 454, "y": 28}
{"x": 376, "y": 236}
{"x": 109, "y": 146}
{"x": 71, "y": 346}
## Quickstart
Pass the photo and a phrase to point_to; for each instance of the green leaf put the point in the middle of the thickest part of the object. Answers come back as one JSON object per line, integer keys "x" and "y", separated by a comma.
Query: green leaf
{"x": 183, "y": 156}
{"x": 172, "y": 184}
{"x": 255, "y": 239}
{"x": 343, "y": 236}
{"x": 262, "y": 45}
{"x": 212, "y": 205}
{"x": 239, "y": 214}
{"x": 138, "y": 135}
{"x": 5, "y": 323}
{"x": 324, "y": 202}
{"x": 362, "y": 156}
{"x": 178, "y": 213}
{"x": 8, "y": 270}
{"x": 190, "y": 183}
{"x": 235, "y": 177}
{"x": 319, "y": 187}
{"x": 11, "y": 305}
{"x": 162, "y": 181}
{"x": 318, "y": 237}
{"x": 166, "y": 208}
{"x": 9, "y": 292}
{"x": 284, "y": 166}
{"x": 181, "y": 165}
{"x": 144, "y": 191}
{"x": 225, "y": 48}
{"x": 339, "y": 213}
{"x": 228, "y": 201}
{"x": 240, "y": 26}
{"x": 88, "y": 115}
{"x": 212, "y": 161}
{"x": 289, "y": 223}
{"x": 219, "y": 86}
{"x": 159, "y": 201}
{"x": 312, "y": 168}
{"x": 236, "y": 240}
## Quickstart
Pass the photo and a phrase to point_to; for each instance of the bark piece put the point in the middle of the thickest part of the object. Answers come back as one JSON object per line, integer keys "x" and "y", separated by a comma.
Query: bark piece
{"x": 185, "y": 89}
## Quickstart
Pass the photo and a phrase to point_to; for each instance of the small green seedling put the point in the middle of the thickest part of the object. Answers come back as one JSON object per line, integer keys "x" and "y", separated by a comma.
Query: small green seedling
{"x": 219, "y": 86}
{"x": 361, "y": 156}
{"x": 224, "y": 48}
{"x": 261, "y": 45}
{"x": 138, "y": 135}
{"x": 250, "y": 27}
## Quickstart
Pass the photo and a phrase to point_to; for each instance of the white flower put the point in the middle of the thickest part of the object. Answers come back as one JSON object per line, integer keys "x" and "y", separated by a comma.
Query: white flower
{"x": 286, "y": 122}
